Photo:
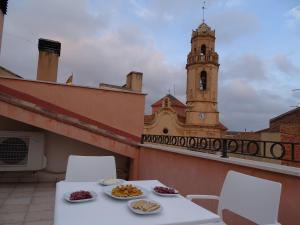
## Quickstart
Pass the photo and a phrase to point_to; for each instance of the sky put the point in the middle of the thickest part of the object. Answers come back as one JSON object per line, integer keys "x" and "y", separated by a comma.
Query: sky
{"x": 258, "y": 43}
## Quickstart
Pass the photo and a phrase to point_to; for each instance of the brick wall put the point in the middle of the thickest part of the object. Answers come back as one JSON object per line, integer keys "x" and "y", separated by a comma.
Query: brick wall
{"x": 290, "y": 118}
{"x": 291, "y": 133}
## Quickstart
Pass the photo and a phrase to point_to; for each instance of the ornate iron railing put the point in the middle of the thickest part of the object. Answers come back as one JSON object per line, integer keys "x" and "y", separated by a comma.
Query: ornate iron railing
{"x": 284, "y": 151}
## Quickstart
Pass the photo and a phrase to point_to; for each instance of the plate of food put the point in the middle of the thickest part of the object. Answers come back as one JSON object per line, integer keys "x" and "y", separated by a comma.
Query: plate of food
{"x": 126, "y": 191}
{"x": 80, "y": 196}
{"x": 110, "y": 181}
{"x": 144, "y": 206}
{"x": 165, "y": 191}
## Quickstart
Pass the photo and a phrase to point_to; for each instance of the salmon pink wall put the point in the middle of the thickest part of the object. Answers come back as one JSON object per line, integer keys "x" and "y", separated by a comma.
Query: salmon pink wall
{"x": 120, "y": 110}
{"x": 96, "y": 139}
{"x": 196, "y": 175}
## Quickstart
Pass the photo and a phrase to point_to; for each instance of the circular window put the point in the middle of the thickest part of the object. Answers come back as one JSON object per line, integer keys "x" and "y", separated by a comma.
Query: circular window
{"x": 13, "y": 150}
{"x": 165, "y": 130}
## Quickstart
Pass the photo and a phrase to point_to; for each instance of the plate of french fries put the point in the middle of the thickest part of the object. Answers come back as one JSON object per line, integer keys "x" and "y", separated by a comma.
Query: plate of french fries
{"x": 144, "y": 206}
{"x": 125, "y": 191}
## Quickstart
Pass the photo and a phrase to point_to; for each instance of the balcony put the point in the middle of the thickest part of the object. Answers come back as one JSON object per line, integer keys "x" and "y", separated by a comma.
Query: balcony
{"x": 192, "y": 171}
{"x": 183, "y": 167}
{"x": 197, "y": 58}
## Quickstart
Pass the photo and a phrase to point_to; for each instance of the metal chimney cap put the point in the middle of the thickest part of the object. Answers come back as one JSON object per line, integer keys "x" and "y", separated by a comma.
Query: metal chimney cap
{"x": 3, "y": 6}
{"x": 51, "y": 46}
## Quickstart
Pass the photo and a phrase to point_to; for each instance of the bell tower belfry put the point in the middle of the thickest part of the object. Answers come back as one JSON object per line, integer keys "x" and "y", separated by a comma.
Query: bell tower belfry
{"x": 202, "y": 84}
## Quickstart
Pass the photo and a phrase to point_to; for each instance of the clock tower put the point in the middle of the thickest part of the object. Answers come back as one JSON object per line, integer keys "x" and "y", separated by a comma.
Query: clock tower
{"x": 202, "y": 116}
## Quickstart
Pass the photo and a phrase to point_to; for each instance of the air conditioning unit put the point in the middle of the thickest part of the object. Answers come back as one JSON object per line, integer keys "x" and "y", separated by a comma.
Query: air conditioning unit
{"x": 22, "y": 151}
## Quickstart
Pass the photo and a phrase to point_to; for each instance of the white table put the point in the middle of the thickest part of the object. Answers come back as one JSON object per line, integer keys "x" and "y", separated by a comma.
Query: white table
{"x": 108, "y": 211}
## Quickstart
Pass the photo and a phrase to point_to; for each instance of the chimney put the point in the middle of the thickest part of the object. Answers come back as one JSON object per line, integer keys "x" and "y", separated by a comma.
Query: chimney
{"x": 3, "y": 10}
{"x": 135, "y": 81}
{"x": 49, "y": 52}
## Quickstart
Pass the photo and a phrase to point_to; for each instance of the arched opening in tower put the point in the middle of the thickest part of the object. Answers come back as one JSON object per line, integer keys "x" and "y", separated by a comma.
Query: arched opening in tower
{"x": 203, "y": 49}
{"x": 203, "y": 80}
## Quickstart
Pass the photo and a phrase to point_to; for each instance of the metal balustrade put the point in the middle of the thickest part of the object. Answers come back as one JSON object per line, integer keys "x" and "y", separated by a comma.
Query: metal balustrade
{"x": 283, "y": 151}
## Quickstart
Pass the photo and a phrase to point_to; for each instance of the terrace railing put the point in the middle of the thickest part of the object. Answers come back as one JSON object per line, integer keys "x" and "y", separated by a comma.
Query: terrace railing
{"x": 283, "y": 151}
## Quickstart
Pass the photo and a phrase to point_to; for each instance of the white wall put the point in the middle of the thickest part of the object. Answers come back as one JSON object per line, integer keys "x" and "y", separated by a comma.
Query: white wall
{"x": 58, "y": 148}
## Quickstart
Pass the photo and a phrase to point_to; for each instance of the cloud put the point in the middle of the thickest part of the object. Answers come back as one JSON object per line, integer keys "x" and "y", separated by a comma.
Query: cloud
{"x": 244, "y": 107}
{"x": 294, "y": 18}
{"x": 99, "y": 62}
{"x": 295, "y": 12}
{"x": 54, "y": 19}
{"x": 104, "y": 41}
{"x": 246, "y": 93}
{"x": 249, "y": 67}
{"x": 296, "y": 95}
{"x": 29, "y": 20}
{"x": 284, "y": 64}
{"x": 168, "y": 17}
{"x": 233, "y": 3}
{"x": 141, "y": 11}
{"x": 94, "y": 52}
{"x": 227, "y": 27}
{"x": 153, "y": 11}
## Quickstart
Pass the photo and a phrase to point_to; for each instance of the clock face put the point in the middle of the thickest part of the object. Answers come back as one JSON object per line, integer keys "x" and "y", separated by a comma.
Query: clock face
{"x": 202, "y": 116}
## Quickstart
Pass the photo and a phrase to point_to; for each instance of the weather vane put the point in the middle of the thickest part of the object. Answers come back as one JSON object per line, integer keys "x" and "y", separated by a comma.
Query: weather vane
{"x": 203, "y": 8}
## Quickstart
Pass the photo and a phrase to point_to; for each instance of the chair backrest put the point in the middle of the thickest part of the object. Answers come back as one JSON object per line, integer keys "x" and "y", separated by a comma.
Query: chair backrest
{"x": 250, "y": 197}
{"x": 90, "y": 168}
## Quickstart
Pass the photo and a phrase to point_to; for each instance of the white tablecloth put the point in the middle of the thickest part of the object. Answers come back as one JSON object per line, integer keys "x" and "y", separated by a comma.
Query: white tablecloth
{"x": 108, "y": 211}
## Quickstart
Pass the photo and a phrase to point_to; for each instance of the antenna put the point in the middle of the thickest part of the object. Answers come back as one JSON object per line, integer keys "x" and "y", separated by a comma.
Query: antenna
{"x": 174, "y": 88}
{"x": 203, "y": 8}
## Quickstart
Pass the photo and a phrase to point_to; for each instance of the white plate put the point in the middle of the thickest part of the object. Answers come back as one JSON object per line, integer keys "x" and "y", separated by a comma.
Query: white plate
{"x": 165, "y": 194}
{"x": 107, "y": 190}
{"x": 143, "y": 212}
{"x": 119, "y": 181}
{"x": 68, "y": 194}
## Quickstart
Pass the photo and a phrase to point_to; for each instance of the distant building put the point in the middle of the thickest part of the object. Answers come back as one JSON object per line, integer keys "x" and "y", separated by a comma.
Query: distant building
{"x": 200, "y": 116}
{"x": 134, "y": 83}
{"x": 168, "y": 117}
{"x": 282, "y": 128}
{"x": 286, "y": 128}
{"x": 288, "y": 122}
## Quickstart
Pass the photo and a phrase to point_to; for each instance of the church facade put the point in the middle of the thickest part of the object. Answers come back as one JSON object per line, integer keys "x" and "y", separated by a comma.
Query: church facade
{"x": 199, "y": 116}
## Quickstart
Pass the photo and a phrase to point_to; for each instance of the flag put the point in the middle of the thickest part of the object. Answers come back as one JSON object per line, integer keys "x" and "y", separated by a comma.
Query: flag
{"x": 70, "y": 80}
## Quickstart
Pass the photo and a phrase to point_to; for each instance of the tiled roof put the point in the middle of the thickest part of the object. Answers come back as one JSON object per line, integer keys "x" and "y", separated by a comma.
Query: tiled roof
{"x": 148, "y": 118}
{"x": 174, "y": 101}
{"x": 296, "y": 110}
{"x": 222, "y": 126}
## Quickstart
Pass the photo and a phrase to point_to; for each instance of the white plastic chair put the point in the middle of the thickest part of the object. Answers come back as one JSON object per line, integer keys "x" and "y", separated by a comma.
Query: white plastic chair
{"x": 90, "y": 168}
{"x": 250, "y": 197}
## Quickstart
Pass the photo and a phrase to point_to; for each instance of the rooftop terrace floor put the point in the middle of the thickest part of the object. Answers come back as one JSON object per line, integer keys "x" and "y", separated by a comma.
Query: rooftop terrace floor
{"x": 27, "y": 203}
